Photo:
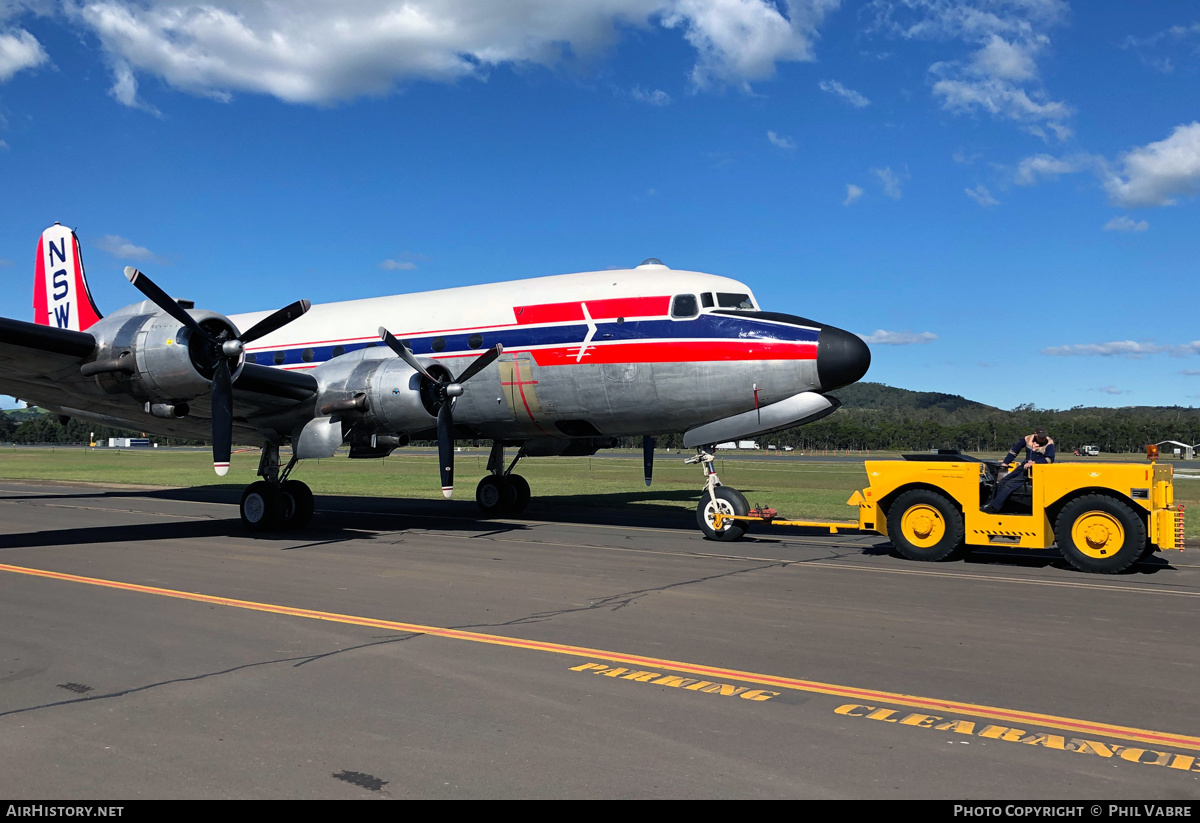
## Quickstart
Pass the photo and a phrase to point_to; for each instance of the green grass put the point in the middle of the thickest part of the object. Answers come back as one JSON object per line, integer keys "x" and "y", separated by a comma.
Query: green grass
{"x": 801, "y": 488}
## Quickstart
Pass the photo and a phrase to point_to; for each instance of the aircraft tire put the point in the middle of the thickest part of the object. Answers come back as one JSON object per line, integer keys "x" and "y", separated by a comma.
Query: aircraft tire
{"x": 1097, "y": 533}
{"x": 495, "y": 496}
{"x": 298, "y": 504}
{"x": 262, "y": 507}
{"x": 521, "y": 493}
{"x": 729, "y": 501}
{"x": 925, "y": 525}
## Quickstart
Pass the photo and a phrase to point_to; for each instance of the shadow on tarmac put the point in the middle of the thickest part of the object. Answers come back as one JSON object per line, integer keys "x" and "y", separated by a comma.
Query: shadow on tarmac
{"x": 364, "y": 518}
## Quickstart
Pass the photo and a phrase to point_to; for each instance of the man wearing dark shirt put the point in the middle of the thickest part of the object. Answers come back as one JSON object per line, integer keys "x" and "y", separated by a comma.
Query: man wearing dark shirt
{"x": 1039, "y": 448}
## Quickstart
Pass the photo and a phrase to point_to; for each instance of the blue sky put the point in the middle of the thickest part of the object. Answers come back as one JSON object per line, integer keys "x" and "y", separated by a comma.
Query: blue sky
{"x": 1000, "y": 195}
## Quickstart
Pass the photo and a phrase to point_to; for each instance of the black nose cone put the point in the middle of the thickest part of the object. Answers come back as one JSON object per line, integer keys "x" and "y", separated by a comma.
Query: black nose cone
{"x": 842, "y": 358}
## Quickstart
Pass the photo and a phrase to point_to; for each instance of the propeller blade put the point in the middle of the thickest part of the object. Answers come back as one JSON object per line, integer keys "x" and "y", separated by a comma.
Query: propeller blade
{"x": 276, "y": 321}
{"x": 405, "y": 355}
{"x": 480, "y": 363}
{"x": 163, "y": 300}
{"x": 222, "y": 417}
{"x": 445, "y": 432}
{"x": 648, "y": 457}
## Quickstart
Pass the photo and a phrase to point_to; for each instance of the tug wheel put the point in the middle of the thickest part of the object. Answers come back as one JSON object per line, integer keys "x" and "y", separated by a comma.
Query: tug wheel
{"x": 924, "y": 525}
{"x": 1096, "y": 533}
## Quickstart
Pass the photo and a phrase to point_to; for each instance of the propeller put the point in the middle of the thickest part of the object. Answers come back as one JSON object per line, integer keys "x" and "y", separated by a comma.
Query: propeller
{"x": 444, "y": 394}
{"x": 217, "y": 351}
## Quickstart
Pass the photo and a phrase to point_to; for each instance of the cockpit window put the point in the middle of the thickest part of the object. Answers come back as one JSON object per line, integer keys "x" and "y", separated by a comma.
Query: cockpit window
{"x": 726, "y": 300}
{"x": 684, "y": 305}
{"x": 706, "y": 300}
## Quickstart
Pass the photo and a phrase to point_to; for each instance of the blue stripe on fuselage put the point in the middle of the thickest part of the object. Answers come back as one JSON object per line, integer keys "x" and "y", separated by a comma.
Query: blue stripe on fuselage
{"x": 706, "y": 326}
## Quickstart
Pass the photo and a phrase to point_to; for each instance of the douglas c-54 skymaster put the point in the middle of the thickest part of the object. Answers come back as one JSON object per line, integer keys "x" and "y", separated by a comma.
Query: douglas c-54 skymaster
{"x": 558, "y": 365}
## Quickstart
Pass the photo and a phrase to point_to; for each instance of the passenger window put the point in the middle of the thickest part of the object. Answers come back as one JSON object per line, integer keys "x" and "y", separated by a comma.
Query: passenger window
{"x": 279, "y": 358}
{"x": 684, "y": 305}
{"x": 475, "y": 341}
{"x": 706, "y": 300}
{"x": 306, "y": 355}
{"x": 338, "y": 351}
{"x": 251, "y": 357}
{"x": 439, "y": 344}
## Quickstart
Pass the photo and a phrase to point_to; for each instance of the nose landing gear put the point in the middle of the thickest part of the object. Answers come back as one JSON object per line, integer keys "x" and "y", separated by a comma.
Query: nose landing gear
{"x": 717, "y": 498}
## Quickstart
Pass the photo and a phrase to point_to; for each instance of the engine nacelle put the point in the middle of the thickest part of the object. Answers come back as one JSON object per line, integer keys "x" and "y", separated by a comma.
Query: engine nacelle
{"x": 149, "y": 355}
{"x": 384, "y": 393}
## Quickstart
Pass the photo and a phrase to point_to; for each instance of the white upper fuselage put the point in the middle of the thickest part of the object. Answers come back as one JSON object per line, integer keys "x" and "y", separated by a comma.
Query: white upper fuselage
{"x": 536, "y": 305}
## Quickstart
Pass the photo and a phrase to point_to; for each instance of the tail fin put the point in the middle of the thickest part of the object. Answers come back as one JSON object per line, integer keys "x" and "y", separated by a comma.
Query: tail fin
{"x": 60, "y": 291}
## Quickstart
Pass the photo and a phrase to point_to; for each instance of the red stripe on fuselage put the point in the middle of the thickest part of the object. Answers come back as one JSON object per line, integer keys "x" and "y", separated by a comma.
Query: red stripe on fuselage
{"x": 676, "y": 352}
{"x": 572, "y": 312}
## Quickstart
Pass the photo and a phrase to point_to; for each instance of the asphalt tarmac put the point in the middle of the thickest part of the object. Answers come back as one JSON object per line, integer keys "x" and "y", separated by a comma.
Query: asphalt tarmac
{"x": 151, "y": 648}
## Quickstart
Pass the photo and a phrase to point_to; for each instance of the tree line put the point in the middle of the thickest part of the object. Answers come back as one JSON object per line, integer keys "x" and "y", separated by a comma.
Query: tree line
{"x": 873, "y": 417}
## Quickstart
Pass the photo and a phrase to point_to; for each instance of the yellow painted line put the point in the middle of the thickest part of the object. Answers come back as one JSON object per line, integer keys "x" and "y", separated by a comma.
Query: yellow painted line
{"x": 873, "y": 695}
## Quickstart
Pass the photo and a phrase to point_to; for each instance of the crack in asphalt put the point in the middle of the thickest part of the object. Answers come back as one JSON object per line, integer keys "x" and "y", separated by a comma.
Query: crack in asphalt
{"x": 303, "y": 659}
{"x": 616, "y": 602}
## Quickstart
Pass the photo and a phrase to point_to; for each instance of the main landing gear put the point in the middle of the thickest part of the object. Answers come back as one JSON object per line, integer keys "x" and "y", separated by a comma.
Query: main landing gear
{"x": 502, "y": 493}
{"x": 718, "y": 498}
{"x": 275, "y": 502}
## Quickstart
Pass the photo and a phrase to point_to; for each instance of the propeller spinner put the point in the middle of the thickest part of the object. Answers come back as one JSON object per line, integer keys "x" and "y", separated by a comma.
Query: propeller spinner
{"x": 219, "y": 351}
{"x": 445, "y": 392}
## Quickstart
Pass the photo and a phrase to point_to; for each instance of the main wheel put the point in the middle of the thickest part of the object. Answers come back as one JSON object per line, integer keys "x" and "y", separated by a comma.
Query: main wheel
{"x": 495, "y": 495}
{"x": 925, "y": 525}
{"x": 298, "y": 504}
{"x": 262, "y": 507}
{"x": 1096, "y": 533}
{"x": 729, "y": 501}
{"x": 521, "y": 493}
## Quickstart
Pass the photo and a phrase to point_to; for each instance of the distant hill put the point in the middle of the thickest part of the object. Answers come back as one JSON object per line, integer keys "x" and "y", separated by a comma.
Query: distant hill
{"x": 879, "y": 396}
{"x": 21, "y": 415}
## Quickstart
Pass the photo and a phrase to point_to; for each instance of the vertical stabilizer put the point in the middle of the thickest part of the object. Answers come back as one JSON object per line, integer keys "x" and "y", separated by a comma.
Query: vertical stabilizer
{"x": 60, "y": 291}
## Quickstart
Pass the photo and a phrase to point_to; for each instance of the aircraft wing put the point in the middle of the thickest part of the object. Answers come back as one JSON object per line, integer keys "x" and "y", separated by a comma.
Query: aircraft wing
{"x": 40, "y": 364}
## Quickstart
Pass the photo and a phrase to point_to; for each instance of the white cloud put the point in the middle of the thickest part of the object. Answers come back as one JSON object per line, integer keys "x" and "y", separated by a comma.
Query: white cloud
{"x": 982, "y": 196}
{"x": 890, "y": 181}
{"x": 850, "y": 95}
{"x": 1112, "y": 390}
{"x": 781, "y": 141}
{"x": 853, "y": 192}
{"x": 899, "y": 338}
{"x": 1002, "y": 59}
{"x": 656, "y": 97}
{"x": 3, "y": 145}
{"x": 19, "y": 50}
{"x": 1132, "y": 349}
{"x": 1002, "y": 99}
{"x": 397, "y": 265}
{"x": 124, "y": 88}
{"x": 999, "y": 76}
{"x": 1159, "y": 173}
{"x": 1153, "y": 48}
{"x": 124, "y": 249}
{"x": 317, "y": 51}
{"x": 1126, "y": 224}
{"x": 1038, "y": 166}
{"x": 4, "y": 263}
{"x": 1191, "y": 372}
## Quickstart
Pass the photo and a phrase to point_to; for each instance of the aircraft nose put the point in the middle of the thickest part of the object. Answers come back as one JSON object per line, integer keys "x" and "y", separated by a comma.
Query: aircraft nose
{"x": 842, "y": 358}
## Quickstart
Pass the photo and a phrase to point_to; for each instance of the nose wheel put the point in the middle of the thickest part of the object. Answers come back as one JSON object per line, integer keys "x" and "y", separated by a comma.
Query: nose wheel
{"x": 718, "y": 503}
